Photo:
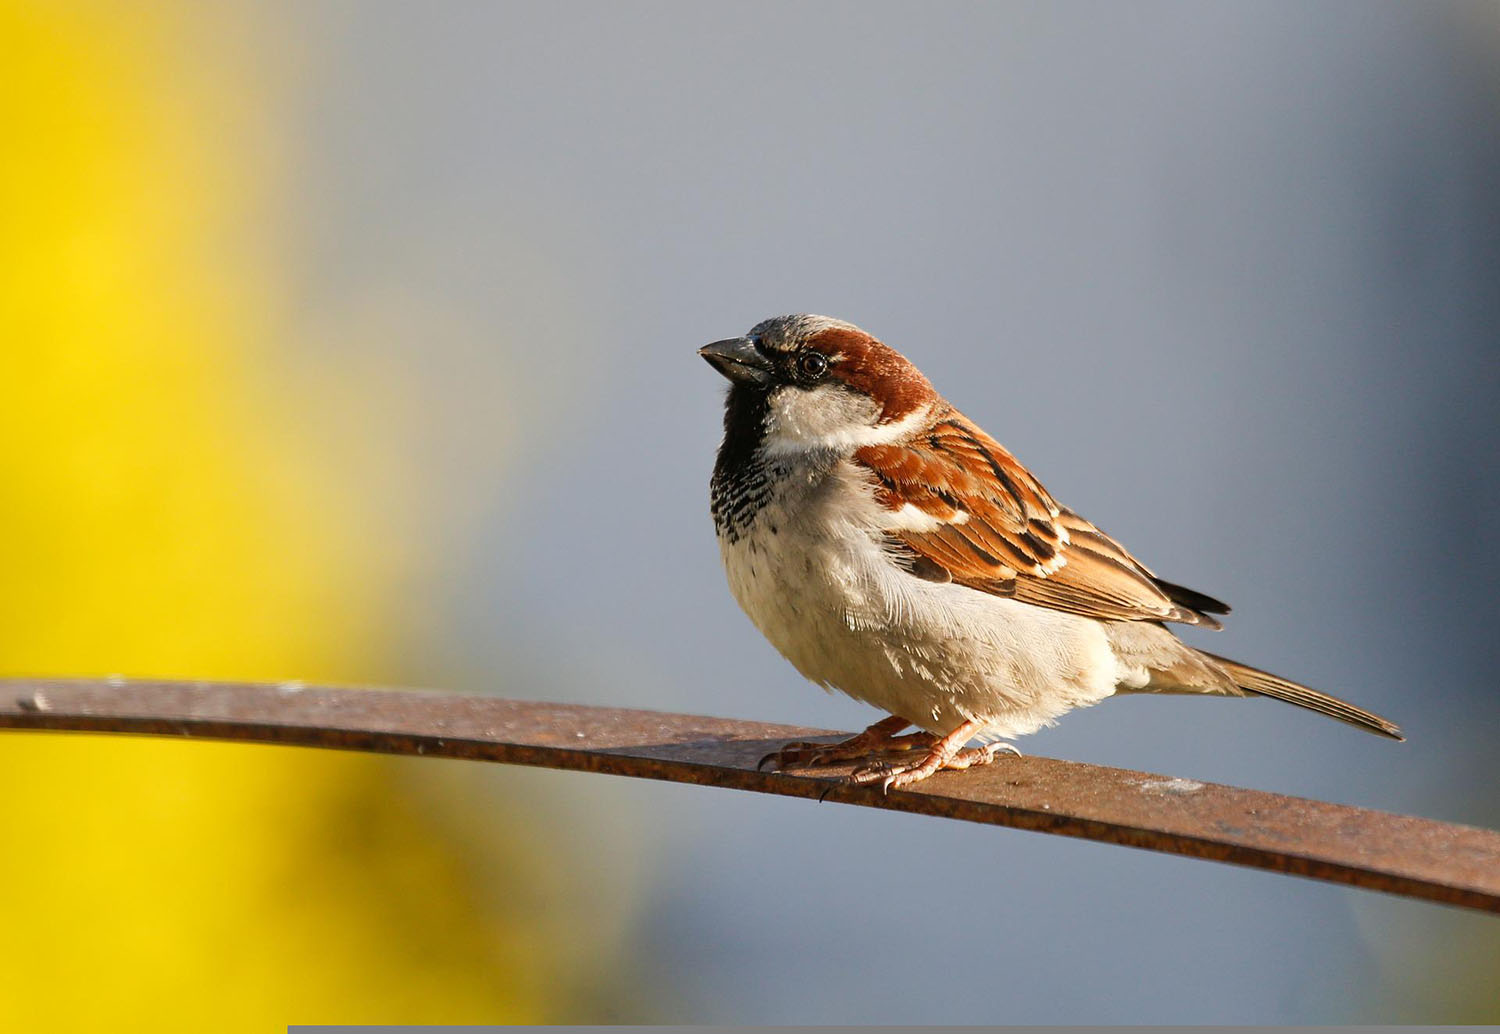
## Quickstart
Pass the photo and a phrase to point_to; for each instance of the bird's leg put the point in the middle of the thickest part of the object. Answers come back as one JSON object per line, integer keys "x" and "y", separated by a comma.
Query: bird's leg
{"x": 949, "y": 752}
{"x": 878, "y": 738}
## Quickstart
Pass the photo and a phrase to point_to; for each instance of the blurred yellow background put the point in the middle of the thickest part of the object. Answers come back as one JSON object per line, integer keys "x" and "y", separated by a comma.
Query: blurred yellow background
{"x": 164, "y": 513}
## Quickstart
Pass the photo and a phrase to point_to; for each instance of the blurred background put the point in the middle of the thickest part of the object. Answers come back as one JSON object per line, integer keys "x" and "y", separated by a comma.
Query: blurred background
{"x": 354, "y": 342}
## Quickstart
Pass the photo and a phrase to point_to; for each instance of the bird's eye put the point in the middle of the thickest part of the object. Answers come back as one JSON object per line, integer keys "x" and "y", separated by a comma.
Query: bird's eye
{"x": 812, "y": 365}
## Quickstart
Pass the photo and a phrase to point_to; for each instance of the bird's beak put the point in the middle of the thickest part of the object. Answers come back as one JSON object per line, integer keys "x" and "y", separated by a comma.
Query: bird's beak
{"x": 738, "y": 359}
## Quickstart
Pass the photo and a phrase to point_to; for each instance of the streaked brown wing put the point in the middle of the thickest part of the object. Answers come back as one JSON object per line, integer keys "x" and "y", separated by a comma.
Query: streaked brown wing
{"x": 990, "y": 525}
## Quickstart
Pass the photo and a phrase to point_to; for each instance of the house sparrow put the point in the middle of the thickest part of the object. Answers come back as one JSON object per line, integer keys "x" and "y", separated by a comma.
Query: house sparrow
{"x": 891, "y": 549}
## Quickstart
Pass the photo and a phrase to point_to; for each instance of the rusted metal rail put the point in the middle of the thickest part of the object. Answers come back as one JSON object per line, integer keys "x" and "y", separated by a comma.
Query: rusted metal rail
{"x": 1398, "y": 854}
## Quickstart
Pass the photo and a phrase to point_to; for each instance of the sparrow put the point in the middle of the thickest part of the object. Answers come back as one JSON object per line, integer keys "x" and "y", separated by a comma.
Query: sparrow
{"x": 891, "y": 549}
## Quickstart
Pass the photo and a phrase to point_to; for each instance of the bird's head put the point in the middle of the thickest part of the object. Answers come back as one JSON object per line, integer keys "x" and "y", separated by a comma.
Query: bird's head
{"x": 811, "y": 382}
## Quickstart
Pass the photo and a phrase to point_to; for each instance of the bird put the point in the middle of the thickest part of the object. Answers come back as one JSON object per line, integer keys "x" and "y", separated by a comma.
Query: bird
{"x": 892, "y": 550}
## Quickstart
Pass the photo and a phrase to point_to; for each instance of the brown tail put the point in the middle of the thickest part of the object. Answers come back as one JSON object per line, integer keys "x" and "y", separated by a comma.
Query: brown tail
{"x": 1266, "y": 684}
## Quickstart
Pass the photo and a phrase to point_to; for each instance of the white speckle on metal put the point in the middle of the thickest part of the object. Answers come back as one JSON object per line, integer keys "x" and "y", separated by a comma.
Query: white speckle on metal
{"x": 1180, "y": 786}
{"x": 291, "y": 686}
{"x": 35, "y": 702}
{"x": 114, "y": 681}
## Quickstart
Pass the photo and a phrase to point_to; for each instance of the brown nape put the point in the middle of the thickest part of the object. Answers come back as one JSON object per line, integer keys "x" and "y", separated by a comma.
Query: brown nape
{"x": 876, "y": 370}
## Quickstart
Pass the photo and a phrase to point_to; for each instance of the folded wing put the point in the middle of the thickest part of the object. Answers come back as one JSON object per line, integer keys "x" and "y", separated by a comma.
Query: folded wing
{"x": 961, "y": 502}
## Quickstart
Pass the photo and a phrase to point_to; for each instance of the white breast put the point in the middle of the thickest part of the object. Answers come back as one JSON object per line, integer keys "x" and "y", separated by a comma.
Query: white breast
{"x": 812, "y": 570}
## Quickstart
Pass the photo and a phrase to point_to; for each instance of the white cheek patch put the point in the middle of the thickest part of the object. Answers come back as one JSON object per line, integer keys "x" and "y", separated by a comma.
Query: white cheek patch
{"x": 830, "y": 417}
{"x": 809, "y": 418}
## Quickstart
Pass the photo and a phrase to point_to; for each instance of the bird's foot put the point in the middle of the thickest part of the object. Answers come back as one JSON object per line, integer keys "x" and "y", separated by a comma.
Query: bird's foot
{"x": 878, "y": 739}
{"x": 947, "y": 754}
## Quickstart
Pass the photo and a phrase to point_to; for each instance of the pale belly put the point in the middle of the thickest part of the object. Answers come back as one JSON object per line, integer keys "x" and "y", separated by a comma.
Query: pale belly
{"x": 937, "y": 655}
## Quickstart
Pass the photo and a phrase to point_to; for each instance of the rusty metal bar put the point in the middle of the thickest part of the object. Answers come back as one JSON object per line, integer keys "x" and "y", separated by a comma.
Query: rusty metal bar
{"x": 1398, "y": 854}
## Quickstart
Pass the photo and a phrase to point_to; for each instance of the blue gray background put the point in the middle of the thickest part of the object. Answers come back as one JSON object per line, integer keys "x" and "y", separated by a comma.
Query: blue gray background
{"x": 1223, "y": 275}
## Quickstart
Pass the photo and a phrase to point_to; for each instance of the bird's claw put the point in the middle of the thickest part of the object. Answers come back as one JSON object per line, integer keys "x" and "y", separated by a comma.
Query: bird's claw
{"x": 798, "y": 753}
{"x": 894, "y": 777}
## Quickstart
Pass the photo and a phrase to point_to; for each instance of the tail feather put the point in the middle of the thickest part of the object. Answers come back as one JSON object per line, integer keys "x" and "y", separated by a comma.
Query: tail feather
{"x": 1266, "y": 684}
{"x": 1192, "y": 599}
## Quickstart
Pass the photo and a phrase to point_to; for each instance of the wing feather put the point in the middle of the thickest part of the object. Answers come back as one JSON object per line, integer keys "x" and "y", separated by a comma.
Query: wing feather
{"x": 997, "y": 530}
